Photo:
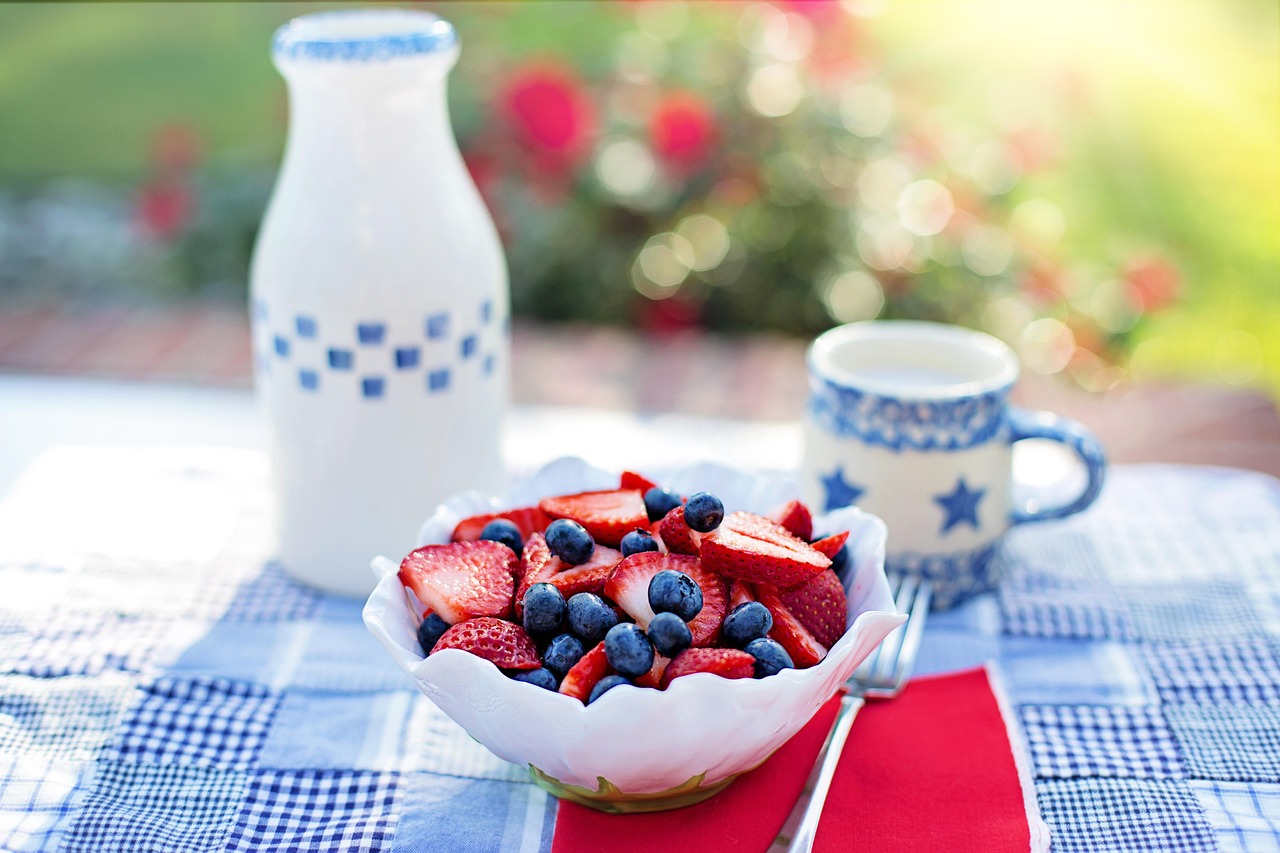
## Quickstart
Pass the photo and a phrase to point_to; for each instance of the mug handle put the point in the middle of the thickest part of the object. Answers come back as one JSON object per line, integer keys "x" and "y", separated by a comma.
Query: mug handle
{"x": 1027, "y": 424}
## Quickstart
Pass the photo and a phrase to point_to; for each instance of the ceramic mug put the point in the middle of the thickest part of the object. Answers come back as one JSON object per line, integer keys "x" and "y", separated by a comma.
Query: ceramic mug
{"x": 911, "y": 421}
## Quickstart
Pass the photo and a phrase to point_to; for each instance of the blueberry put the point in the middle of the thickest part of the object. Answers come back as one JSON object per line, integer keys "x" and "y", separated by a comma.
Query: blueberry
{"x": 669, "y": 634}
{"x": 539, "y": 677}
{"x": 562, "y": 653}
{"x": 628, "y": 650}
{"x": 604, "y": 685}
{"x": 590, "y": 618}
{"x": 570, "y": 541}
{"x": 430, "y": 632}
{"x": 840, "y": 562}
{"x": 543, "y": 609}
{"x": 703, "y": 512}
{"x": 675, "y": 592}
{"x": 771, "y": 658}
{"x": 658, "y": 502}
{"x": 747, "y": 622}
{"x": 637, "y": 541}
{"x": 501, "y": 530}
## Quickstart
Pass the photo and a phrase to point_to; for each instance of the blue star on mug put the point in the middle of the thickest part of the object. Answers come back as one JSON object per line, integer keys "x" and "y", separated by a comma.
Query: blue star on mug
{"x": 960, "y": 505}
{"x": 840, "y": 492}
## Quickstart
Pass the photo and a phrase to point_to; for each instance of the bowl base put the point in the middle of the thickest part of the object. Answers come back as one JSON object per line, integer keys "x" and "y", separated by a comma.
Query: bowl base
{"x": 608, "y": 798}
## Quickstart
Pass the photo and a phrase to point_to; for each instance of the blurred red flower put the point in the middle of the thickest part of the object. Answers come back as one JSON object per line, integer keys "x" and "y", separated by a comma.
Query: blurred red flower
{"x": 1153, "y": 282}
{"x": 163, "y": 208}
{"x": 682, "y": 130}
{"x": 547, "y": 109}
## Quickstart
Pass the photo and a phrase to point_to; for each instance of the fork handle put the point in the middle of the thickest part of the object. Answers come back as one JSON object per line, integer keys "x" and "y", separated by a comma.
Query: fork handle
{"x": 828, "y": 758}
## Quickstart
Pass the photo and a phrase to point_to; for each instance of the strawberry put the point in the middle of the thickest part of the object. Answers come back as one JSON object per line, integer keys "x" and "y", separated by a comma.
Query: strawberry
{"x": 832, "y": 544}
{"x": 820, "y": 605}
{"x": 607, "y": 515}
{"x": 462, "y": 580}
{"x": 639, "y": 482}
{"x": 726, "y": 663}
{"x": 584, "y": 674}
{"x": 628, "y": 585}
{"x": 503, "y": 643}
{"x": 537, "y": 565}
{"x": 588, "y": 577}
{"x": 529, "y": 519}
{"x": 790, "y": 633}
{"x": 653, "y": 678}
{"x": 677, "y": 536}
{"x": 750, "y": 547}
{"x": 794, "y": 516}
{"x": 740, "y": 593}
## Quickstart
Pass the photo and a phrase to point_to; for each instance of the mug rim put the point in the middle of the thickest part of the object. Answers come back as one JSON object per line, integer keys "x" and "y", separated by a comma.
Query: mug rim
{"x": 822, "y": 349}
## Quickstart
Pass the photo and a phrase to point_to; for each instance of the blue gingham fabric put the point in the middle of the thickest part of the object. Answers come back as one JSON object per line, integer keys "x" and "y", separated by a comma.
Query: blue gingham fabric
{"x": 164, "y": 686}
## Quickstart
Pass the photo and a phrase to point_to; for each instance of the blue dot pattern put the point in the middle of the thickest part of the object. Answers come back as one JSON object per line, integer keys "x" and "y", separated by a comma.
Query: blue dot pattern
{"x": 362, "y": 347}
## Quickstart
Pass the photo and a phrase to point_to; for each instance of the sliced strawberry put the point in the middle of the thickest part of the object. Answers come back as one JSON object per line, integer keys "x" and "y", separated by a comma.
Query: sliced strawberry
{"x": 529, "y": 519}
{"x": 678, "y": 536}
{"x": 821, "y": 606}
{"x": 791, "y": 634}
{"x": 628, "y": 585}
{"x": 750, "y": 547}
{"x": 639, "y": 482}
{"x": 503, "y": 643}
{"x": 653, "y": 678}
{"x": 740, "y": 592}
{"x": 726, "y": 663}
{"x": 831, "y": 545}
{"x": 587, "y": 577}
{"x": 584, "y": 674}
{"x": 794, "y": 516}
{"x": 607, "y": 516}
{"x": 462, "y": 580}
{"x": 537, "y": 565}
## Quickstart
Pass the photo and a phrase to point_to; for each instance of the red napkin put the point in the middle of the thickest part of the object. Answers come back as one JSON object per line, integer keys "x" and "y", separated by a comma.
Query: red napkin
{"x": 932, "y": 769}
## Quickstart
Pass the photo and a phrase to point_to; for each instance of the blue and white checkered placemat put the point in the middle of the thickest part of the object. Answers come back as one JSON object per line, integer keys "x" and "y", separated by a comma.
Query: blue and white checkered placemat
{"x": 164, "y": 687}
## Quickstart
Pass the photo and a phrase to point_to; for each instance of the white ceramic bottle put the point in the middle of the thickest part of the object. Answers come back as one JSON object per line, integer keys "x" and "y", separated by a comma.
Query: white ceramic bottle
{"x": 378, "y": 297}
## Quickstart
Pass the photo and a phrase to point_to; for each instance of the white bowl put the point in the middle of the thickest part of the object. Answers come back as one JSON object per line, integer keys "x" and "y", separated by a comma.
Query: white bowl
{"x": 638, "y": 749}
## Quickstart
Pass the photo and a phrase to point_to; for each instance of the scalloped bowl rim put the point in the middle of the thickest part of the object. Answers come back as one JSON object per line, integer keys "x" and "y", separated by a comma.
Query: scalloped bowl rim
{"x": 582, "y": 745}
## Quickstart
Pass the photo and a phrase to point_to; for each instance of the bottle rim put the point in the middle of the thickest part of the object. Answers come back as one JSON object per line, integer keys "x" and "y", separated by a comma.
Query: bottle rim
{"x": 363, "y": 35}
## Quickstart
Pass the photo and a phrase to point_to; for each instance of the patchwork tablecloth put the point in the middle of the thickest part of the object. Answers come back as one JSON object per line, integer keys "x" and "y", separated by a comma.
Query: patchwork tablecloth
{"x": 164, "y": 687}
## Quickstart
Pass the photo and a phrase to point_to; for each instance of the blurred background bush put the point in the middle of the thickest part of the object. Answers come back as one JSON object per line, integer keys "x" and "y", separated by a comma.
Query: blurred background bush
{"x": 1096, "y": 182}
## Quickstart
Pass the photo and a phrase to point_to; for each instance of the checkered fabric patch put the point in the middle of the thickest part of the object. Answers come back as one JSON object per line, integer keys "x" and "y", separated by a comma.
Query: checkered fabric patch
{"x": 61, "y": 717}
{"x": 1069, "y": 741}
{"x": 1242, "y": 671}
{"x": 142, "y": 807}
{"x": 90, "y": 643}
{"x": 1093, "y": 815}
{"x": 1229, "y": 742}
{"x": 272, "y": 596}
{"x": 316, "y": 810}
{"x": 200, "y": 721}
{"x": 1037, "y": 560}
{"x": 1160, "y": 550}
{"x": 1054, "y": 586}
{"x": 1072, "y": 615}
{"x": 36, "y": 795}
{"x": 1191, "y": 611}
{"x": 1246, "y": 817}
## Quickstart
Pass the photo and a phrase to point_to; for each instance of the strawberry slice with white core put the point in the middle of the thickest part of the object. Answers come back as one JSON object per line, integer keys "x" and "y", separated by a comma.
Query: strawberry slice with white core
{"x": 529, "y": 520}
{"x": 831, "y": 545}
{"x": 821, "y": 606}
{"x": 628, "y": 586}
{"x": 639, "y": 482}
{"x": 796, "y": 518}
{"x": 676, "y": 535}
{"x": 726, "y": 663}
{"x": 752, "y": 548}
{"x": 462, "y": 580}
{"x": 505, "y": 644}
{"x": 585, "y": 674}
{"x": 653, "y": 678}
{"x": 607, "y": 515}
{"x": 537, "y": 565}
{"x": 740, "y": 592}
{"x": 790, "y": 632}
{"x": 587, "y": 577}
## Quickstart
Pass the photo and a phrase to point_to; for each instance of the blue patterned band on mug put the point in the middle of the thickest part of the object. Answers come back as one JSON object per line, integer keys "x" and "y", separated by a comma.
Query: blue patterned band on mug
{"x": 331, "y": 36}
{"x": 957, "y": 423}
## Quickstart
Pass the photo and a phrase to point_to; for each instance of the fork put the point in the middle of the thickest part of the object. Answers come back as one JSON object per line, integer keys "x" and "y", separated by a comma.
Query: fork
{"x": 882, "y": 675}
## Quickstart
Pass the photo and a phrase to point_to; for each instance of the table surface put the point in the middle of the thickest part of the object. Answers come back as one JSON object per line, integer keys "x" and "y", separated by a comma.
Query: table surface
{"x": 148, "y": 647}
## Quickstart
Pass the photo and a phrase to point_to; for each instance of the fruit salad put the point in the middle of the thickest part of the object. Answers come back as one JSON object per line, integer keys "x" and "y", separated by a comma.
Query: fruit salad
{"x": 634, "y": 586}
